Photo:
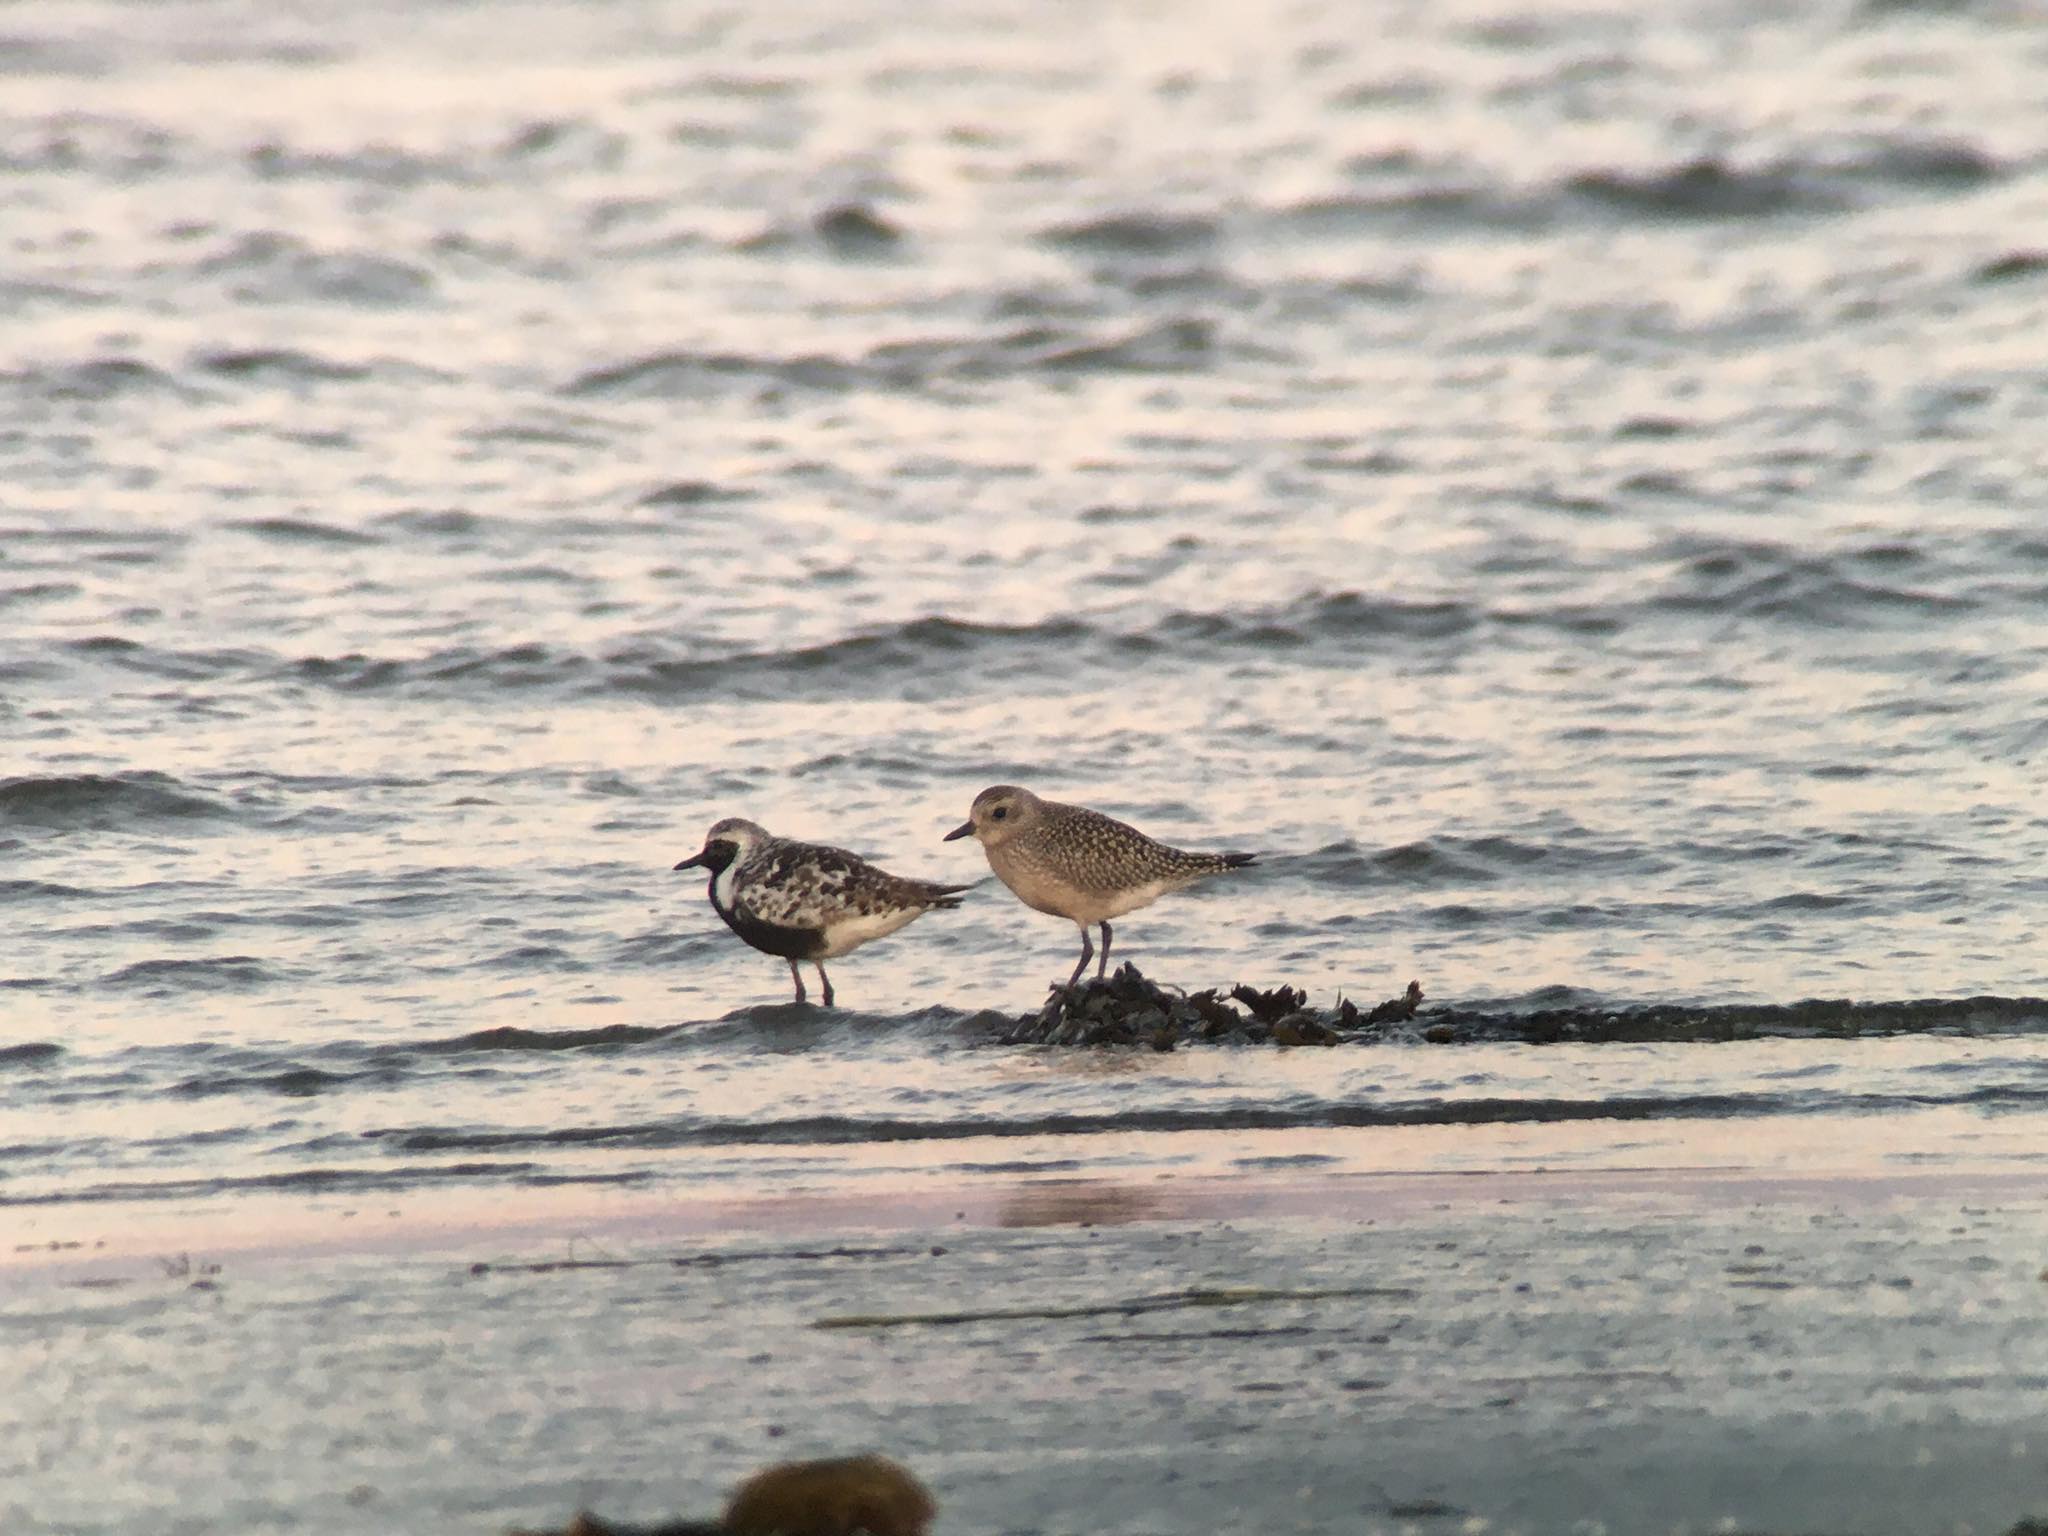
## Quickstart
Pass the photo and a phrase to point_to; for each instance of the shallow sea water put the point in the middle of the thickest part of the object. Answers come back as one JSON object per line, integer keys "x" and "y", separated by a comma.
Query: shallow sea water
{"x": 1562, "y": 483}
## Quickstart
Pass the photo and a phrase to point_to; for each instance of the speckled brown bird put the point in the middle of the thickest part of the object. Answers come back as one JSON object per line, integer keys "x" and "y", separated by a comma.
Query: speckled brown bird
{"x": 805, "y": 901}
{"x": 1079, "y": 864}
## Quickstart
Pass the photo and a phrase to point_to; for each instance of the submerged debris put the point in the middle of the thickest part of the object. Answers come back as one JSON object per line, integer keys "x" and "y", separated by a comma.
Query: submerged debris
{"x": 836, "y": 1497}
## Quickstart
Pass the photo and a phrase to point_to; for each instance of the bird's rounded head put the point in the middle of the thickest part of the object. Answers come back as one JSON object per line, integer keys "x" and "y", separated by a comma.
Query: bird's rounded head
{"x": 733, "y": 838}
{"x": 998, "y": 814}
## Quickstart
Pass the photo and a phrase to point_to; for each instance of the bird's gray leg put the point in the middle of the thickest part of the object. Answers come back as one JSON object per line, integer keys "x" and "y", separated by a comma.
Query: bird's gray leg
{"x": 1087, "y": 954}
{"x": 797, "y": 976}
{"x": 825, "y": 980}
{"x": 1103, "y": 964}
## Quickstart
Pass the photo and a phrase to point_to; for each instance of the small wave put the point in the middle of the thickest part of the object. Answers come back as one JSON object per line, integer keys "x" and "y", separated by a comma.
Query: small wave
{"x": 1801, "y": 901}
{"x": 512, "y": 668}
{"x": 1425, "y": 864}
{"x": 1776, "y": 582}
{"x": 690, "y": 493}
{"x": 1308, "y": 623}
{"x": 291, "y": 1082}
{"x": 851, "y": 231}
{"x": 511, "y": 1038}
{"x": 1135, "y": 234}
{"x": 1707, "y": 189}
{"x": 38, "y": 592}
{"x": 330, "y": 1180}
{"x": 159, "y": 661}
{"x": 2012, "y": 267}
{"x": 83, "y": 142}
{"x": 843, "y": 1130}
{"x": 1168, "y": 347}
{"x": 41, "y": 890}
{"x": 1656, "y": 429}
{"x": 435, "y": 1140}
{"x": 275, "y": 365}
{"x": 936, "y": 654}
{"x": 218, "y": 973}
{"x": 449, "y": 523}
{"x": 916, "y": 648}
{"x": 303, "y": 530}
{"x": 278, "y": 269}
{"x": 95, "y": 379}
{"x": 1925, "y": 162}
{"x": 1713, "y": 188}
{"x": 378, "y": 164}
{"x": 563, "y": 142}
{"x": 855, "y": 229}
{"x": 1458, "y": 198}
{"x": 347, "y": 1064}
{"x": 705, "y": 375}
{"x": 547, "y": 959}
{"x": 103, "y": 801}
{"x": 30, "y": 1053}
{"x": 1815, "y": 1018}
{"x": 1173, "y": 345}
{"x": 1460, "y": 861}
{"x": 1450, "y": 209}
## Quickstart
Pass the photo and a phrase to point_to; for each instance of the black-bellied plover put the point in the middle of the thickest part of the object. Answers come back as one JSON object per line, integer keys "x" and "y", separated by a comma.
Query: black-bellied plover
{"x": 804, "y": 901}
{"x": 1079, "y": 864}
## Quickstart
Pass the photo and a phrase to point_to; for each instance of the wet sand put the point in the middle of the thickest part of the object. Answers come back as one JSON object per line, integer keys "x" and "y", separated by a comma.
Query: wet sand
{"x": 1597, "y": 1349}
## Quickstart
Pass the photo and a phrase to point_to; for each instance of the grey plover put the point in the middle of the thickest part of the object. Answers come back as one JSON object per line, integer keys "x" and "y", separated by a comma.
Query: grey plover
{"x": 804, "y": 901}
{"x": 1079, "y": 864}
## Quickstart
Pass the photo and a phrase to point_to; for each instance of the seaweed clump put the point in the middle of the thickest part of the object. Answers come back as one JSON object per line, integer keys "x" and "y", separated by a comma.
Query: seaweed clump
{"x": 1129, "y": 1009}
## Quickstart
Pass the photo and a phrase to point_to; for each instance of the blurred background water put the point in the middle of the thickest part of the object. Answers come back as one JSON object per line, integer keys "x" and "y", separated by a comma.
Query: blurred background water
{"x": 1564, "y": 482}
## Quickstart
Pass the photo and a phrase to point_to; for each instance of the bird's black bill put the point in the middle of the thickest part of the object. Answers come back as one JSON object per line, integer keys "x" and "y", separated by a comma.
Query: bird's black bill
{"x": 692, "y": 862}
{"x": 965, "y": 829}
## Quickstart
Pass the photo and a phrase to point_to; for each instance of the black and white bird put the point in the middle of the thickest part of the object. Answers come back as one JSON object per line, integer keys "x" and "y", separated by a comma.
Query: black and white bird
{"x": 1079, "y": 864}
{"x": 805, "y": 901}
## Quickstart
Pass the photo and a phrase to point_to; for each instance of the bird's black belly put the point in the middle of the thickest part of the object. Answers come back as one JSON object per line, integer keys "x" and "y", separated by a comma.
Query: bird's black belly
{"x": 774, "y": 938}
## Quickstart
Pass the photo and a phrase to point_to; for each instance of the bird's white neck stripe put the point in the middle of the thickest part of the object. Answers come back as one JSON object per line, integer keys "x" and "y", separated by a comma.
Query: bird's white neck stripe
{"x": 722, "y": 887}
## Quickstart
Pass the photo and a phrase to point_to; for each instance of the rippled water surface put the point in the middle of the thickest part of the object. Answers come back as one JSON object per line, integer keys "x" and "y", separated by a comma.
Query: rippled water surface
{"x": 1565, "y": 484}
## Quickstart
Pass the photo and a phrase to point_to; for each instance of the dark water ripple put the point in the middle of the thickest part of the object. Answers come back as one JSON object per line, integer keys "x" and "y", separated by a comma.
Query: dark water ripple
{"x": 1750, "y": 581}
{"x": 834, "y": 1130}
{"x": 1175, "y": 344}
{"x": 1816, "y": 1018}
{"x": 509, "y": 1038}
{"x": 279, "y": 365}
{"x": 276, "y": 269}
{"x": 30, "y": 1053}
{"x": 1714, "y": 189}
{"x": 1466, "y": 199}
{"x": 96, "y": 379}
{"x": 303, "y": 530}
{"x": 103, "y": 801}
{"x": 169, "y": 978}
{"x": 1764, "y": 581}
{"x": 42, "y": 890}
{"x": 1436, "y": 863}
{"x": 311, "y": 1181}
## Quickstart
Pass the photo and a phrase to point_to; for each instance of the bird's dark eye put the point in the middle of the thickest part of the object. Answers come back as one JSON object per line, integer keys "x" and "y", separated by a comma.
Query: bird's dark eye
{"x": 999, "y": 813}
